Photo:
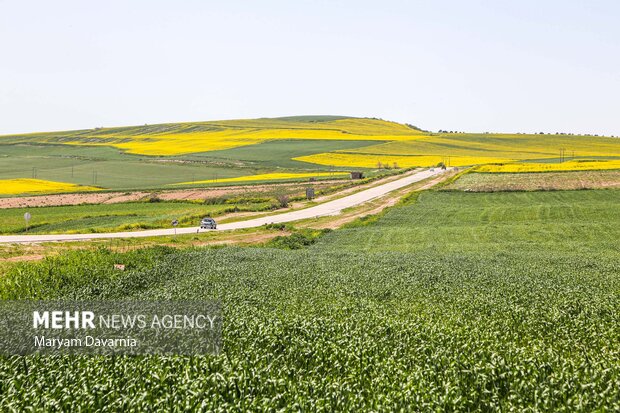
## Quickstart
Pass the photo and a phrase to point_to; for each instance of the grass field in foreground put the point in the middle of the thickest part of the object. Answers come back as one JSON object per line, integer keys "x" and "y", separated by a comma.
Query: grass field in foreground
{"x": 454, "y": 302}
{"x": 524, "y": 222}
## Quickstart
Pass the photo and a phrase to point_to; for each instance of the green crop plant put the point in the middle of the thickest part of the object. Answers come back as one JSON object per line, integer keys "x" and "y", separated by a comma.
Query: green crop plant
{"x": 450, "y": 302}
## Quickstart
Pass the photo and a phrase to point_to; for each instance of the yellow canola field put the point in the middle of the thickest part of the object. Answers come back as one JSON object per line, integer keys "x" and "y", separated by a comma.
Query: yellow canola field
{"x": 392, "y": 139}
{"x": 185, "y": 138}
{"x": 34, "y": 186}
{"x": 342, "y": 159}
{"x": 498, "y": 146}
{"x": 268, "y": 177}
{"x": 355, "y": 126}
{"x": 185, "y": 143}
{"x": 467, "y": 149}
{"x": 550, "y": 167}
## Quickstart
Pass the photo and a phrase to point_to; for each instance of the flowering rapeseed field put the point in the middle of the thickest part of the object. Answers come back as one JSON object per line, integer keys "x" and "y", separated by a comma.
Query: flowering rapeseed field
{"x": 28, "y": 186}
{"x": 380, "y": 143}
{"x": 362, "y": 160}
{"x": 469, "y": 149}
{"x": 581, "y": 165}
{"x": 392, "y": 139}
{"x": 510, "y": 146}
{"x": 185, "y": 138}
{"x": 268, "y": 177}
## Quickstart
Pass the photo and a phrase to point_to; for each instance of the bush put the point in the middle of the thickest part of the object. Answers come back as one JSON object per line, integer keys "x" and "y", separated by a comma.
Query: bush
{"x": 283, "y": 200}
{"x": 279, "y": 227}
{"x": 298, "y": 240}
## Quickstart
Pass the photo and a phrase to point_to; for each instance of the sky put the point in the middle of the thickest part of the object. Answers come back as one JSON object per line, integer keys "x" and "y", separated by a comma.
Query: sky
{"x": 476, "y": 66}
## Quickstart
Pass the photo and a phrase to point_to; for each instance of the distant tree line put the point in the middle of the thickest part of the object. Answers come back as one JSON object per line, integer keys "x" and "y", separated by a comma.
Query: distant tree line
{"x": 537, "y": 133}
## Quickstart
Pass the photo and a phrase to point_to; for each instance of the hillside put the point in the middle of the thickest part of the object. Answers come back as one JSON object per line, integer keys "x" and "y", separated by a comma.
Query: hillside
{"x": 207, "y": 153}
{"x": 185, "y": 138}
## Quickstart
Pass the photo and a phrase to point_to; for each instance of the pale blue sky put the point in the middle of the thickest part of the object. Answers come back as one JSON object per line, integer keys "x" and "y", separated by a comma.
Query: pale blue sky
{"x": 458, "y": 65}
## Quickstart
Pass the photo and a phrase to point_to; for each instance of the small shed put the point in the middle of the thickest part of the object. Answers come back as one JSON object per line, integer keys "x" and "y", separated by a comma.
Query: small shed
{"x": 309, "y": 193}
{"x": 357, "y": 175}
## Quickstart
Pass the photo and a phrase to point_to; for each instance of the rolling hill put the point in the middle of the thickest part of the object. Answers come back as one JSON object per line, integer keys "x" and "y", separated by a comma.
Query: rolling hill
{"x": 155, "y": 156}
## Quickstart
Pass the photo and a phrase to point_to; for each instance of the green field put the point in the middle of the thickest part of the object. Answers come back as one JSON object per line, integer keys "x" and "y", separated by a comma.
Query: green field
{"x": 476, "y": 223}
{"x": 450, "y": 302}
{"x": 100, "y": 157}
{"x": 112, "y": 169}
{"x": 102, "y": 166}
{"x": 536, "y": 181}
{"x": 115, "y": 217}
{"x": 278, "y": 154}
{"x": 153, "y": 156}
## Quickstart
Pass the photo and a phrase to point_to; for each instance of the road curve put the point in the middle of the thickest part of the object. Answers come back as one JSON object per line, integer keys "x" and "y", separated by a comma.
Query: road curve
{"x": 328, "y": 208}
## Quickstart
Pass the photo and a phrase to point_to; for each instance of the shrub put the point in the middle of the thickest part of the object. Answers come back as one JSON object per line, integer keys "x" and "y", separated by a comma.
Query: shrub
{"x": 297, "y": 240}
{"x": 283, "y": 200}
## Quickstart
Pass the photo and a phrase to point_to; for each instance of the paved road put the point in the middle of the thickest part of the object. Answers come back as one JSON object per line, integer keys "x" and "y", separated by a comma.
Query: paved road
{"x": 328, "y": 208}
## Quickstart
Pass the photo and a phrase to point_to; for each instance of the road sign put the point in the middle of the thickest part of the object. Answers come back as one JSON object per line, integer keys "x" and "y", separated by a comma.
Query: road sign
{"x": 27, "y": 217}
{"x": 174, "y": 224}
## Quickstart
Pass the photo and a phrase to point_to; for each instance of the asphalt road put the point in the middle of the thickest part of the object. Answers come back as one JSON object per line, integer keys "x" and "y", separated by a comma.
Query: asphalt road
{"x": 328, "y": 208}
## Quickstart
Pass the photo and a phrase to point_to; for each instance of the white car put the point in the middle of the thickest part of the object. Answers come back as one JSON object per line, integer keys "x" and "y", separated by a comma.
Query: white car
{"x": 208, "y": 223}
